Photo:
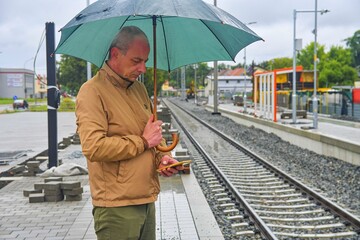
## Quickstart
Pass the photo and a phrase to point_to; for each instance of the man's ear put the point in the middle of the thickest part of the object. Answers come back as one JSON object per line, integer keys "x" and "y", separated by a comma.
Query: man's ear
{"x": 113, "y": 52}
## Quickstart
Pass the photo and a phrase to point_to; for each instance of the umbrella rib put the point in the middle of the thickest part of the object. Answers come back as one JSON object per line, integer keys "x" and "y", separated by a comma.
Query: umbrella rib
{"x": 166, "y": 45}
{"x": 218, "y": 39}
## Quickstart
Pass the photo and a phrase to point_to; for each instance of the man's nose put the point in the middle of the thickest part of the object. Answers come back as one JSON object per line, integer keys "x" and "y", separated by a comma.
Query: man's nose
{"x": 142, "y": 67}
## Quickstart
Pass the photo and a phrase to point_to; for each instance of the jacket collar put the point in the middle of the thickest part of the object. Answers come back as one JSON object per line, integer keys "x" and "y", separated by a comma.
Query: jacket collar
{"x": 114, "y": 78}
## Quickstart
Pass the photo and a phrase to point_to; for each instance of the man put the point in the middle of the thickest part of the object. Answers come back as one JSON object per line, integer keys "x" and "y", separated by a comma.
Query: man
{"x": 118, "y": 138}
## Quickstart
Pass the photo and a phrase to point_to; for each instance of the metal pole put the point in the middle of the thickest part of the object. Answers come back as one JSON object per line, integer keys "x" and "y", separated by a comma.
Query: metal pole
{"x": 195, "y": 83}
{"x": 216, "y": 88}
{"x": 315, "y": 100}
{"x": 52, "y": 92}
{"x": 245, "y": 96}
{"x": 216, "y": 112}
{"x": 294, "y": 74}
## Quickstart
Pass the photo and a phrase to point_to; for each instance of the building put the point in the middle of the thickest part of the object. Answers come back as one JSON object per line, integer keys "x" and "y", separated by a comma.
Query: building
{"x": 230, "y": 82}
{"x": 41, "y": 86}
{"x": 17, "y": 82}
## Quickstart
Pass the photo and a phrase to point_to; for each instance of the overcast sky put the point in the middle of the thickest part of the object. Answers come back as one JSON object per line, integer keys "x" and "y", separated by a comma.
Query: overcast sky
{"x": 22, "y": 23}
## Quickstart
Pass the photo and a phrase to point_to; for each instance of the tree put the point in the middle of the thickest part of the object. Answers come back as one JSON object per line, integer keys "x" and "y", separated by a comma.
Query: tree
{"x": 354, "y": 44}
{"x": 72, "y": 74}
{"x": 277, "y": 63}
{"x": 202, "y": 70}
{"x": 161, "y": 76}
{"x": 306, "y": 56}
{"x": 336, "y": 69}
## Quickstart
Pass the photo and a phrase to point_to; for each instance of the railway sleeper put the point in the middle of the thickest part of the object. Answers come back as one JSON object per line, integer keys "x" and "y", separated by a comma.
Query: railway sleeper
{"x": 316, "y": 211}
{"x": 283, "y": 186}
{"x": 245, "y": 233}
{"x": 308, "y": 227}
{"x": 237, "y": 225}
{"x": 206, "y": 172}
{"x": 224, "y": 194}
{"x": 265, "y": 201}
{"x": 315, "y": 219}
{"x": 226, "y": 199}
{"x": 227, "y": 205}
{"x": 269, "y": 183}
{"x": 285, "y": 206}
{"x": 272, "y": 196}
{"x": 316, "y": 236}
{"x": 235, "y": 217}
{"x": 250, "y": 165}
{"x": 251, "y": 177}
{"x": 268, "y": 192}
{"x": 213, "y": 182}
{"x": 243, "y": 168}
{"x": 218, "y": 190}
{"x": 244, "y": 172}
{"x": 215, "y": 185}
{"x": 231, "y": 211}
{"x": 208, "y": 175}
{"x": 212, "y": 178}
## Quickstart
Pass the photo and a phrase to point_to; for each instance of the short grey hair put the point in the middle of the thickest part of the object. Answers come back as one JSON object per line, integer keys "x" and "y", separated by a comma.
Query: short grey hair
{"x": 125, "y": 37}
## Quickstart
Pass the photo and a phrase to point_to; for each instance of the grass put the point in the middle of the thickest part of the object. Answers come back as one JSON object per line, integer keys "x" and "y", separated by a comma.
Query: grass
{"x": 38, "y": 108}
{"x": 29, "y": 100}
{"x": 66, "y": 105}
{"x": 6, "y": 100}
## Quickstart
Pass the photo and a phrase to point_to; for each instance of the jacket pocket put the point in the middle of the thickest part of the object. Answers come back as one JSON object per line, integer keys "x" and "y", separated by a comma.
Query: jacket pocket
{"x": 121, "y": 171}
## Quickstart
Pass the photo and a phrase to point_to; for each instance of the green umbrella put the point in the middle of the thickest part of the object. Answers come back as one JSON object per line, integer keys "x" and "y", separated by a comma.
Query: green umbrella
{"x": 188, "y": 31}
{"x": 181, "y": 32}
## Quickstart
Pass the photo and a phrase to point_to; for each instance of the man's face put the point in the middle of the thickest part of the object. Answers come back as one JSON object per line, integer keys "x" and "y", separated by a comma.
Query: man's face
{"x": 132, "y": 64}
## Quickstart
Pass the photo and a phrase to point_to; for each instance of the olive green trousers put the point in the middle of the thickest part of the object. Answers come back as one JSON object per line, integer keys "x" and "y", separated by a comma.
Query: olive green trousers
{"x": 129, "y": 222}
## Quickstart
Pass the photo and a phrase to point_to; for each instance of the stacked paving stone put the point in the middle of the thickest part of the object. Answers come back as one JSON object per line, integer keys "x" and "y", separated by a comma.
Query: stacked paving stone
{"x": 54, "y": 190}
{"x": 164, "y": 115}
{"x": 76, "y": 139}
{"x": 167, "y": 132}
{"x": 182, "y": 154}
{"x": 18, "y": 169}
{"x": 33, "y": 167}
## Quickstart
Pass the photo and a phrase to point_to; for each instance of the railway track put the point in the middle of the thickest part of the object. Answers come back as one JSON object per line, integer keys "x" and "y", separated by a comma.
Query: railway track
{"x": 253, "y": 199}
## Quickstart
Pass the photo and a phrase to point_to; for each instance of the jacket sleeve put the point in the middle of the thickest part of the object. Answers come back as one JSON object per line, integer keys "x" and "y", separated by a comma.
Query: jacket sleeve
{"x": 91, "y": 120}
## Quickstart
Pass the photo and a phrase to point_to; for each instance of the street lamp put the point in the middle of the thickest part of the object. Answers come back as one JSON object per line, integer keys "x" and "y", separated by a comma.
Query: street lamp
{"x": 245, "y": 96}
{"x": 294, "y": 62}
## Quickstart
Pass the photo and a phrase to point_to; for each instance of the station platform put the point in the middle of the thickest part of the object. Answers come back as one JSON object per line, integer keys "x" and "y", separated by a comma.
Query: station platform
{"x": 332, "y": 137}
{"x": 181, "y": 210}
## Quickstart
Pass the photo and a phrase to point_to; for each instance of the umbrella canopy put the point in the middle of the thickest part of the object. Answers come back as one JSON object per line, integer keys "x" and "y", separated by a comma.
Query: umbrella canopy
{"x": 188, "y": 31}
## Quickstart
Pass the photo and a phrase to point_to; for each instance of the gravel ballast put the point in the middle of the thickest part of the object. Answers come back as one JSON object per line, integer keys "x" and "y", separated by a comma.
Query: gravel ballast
{"x": 333, "y": 178}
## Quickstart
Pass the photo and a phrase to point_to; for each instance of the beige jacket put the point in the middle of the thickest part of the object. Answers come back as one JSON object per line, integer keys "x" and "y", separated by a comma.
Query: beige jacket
{"x": 111, "y": 117}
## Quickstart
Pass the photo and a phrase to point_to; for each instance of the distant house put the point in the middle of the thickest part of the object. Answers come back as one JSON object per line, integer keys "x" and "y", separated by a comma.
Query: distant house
{"x": 17, "y": 82}
{"x": 230, "y": 82}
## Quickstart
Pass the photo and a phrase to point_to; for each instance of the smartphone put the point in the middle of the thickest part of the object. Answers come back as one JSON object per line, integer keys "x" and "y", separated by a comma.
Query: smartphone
{"x": 185, "y": 162}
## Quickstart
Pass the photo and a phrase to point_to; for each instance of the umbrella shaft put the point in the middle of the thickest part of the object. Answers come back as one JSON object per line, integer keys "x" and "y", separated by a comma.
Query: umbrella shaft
{"x": 155, "y": 84}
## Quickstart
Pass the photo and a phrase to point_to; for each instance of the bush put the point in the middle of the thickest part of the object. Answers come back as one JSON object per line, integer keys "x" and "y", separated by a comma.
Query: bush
{"x": 67, "y": 105}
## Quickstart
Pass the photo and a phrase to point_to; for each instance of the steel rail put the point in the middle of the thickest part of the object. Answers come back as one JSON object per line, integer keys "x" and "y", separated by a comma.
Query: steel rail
{"x": 260, "y": 224}
{"x": 326, "y": 203}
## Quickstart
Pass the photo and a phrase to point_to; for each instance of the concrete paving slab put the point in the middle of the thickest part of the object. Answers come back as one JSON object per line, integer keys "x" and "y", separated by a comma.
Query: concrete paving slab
{"x": 20, "y": 219}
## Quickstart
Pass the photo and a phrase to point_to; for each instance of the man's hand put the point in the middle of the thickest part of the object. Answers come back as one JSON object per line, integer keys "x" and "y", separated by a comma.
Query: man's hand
{"x": 153, "y": 132}
{"x": 168, "y": 172}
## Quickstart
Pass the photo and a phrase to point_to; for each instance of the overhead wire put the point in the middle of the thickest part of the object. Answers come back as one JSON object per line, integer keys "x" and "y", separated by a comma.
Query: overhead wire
{"x": 42, "y": 38}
